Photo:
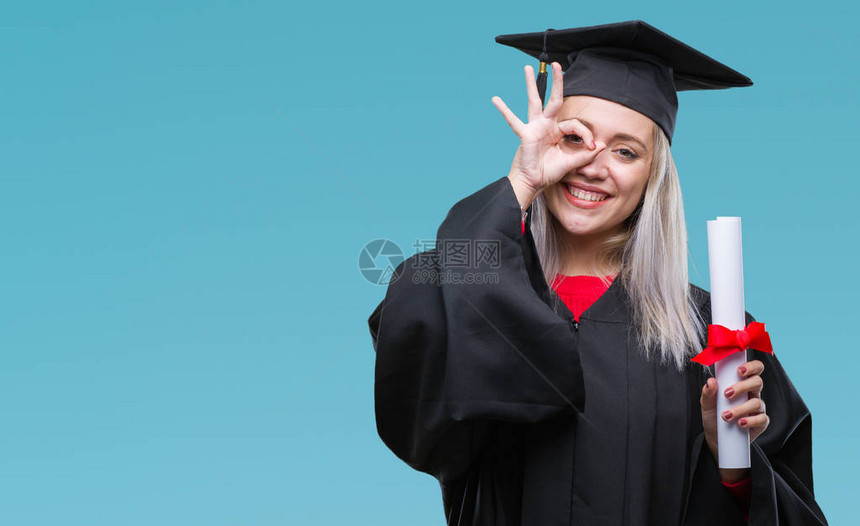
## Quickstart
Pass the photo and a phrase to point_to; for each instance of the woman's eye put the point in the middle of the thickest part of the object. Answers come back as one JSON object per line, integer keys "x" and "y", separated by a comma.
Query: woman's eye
{"x": 574, "y": 138}
{"x": 627, "y": 153}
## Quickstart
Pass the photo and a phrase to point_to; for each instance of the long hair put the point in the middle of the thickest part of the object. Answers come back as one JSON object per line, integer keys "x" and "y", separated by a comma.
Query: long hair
{"x": 651, "y": 253}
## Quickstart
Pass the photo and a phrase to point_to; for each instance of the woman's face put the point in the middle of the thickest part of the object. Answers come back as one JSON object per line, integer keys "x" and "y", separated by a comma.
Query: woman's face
{"x": 594, "y": 200}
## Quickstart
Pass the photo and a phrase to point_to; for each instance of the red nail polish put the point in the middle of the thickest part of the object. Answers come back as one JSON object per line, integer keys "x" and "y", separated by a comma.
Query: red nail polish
{"x": 727, "y": 415}
{"x": 742, "y": 369}
{"x": 743, "y": 422}
{"x": 730, "y": 392}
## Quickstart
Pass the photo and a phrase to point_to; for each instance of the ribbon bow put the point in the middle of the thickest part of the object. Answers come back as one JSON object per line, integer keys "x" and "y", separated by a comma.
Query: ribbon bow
{"x": 722, "y": 342}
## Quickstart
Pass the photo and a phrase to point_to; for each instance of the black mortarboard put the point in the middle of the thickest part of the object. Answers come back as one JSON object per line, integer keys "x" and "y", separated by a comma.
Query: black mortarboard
{"x": 631, "y": 63}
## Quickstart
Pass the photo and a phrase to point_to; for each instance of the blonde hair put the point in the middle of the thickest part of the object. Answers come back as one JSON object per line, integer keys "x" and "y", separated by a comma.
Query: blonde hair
{"x": 652, "y": 255}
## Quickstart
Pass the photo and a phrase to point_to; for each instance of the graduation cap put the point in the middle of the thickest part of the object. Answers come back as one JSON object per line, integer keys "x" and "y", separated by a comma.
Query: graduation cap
{"x": 631, "y": 63}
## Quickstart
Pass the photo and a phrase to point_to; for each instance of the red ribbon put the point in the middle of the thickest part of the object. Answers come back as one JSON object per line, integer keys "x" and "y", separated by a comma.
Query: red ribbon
{"x": 723, "y": 342}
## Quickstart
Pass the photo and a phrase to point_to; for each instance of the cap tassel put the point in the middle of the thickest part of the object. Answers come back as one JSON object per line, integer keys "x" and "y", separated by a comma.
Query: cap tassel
{"x": 541, "y": 82}
{"x": 541, "y": 77}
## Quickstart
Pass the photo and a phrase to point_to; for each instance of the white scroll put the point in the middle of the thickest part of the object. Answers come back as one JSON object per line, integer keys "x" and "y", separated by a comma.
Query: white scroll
{"x": 725, "y": 258}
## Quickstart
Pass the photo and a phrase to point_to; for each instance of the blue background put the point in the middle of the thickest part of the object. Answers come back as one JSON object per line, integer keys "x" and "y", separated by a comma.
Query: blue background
{"x": 185, "y": 189}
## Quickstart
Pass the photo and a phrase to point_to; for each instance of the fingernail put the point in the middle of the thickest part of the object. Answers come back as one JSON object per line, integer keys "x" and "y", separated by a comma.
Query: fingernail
{"x": 727, "y": 415}
{"x": 742, "y": 369}
{"x": 743, "y": 422}
{"x": 730, "y": 392}
{"x": 593, "y": 145}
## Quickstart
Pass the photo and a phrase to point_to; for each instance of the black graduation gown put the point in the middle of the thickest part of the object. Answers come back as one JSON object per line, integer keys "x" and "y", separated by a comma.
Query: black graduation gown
{"x": 484, "y": 381}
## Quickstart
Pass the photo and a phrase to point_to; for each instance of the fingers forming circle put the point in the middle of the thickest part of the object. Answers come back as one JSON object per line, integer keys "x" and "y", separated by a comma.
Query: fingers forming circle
{"x": 571, "y": 126}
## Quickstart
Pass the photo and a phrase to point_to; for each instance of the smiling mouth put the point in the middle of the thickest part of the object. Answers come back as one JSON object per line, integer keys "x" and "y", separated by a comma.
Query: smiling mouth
{"x": 586, "y": 195}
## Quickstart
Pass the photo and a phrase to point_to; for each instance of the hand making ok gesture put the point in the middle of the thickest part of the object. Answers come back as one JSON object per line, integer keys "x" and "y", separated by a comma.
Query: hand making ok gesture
{"x": 543, "y": 157}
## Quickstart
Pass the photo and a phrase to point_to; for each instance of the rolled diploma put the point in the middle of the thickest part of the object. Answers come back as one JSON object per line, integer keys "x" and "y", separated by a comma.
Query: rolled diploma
{"x": 725, "y": 258}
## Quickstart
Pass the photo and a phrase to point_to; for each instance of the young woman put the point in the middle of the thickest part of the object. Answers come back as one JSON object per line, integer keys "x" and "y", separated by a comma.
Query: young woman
{"x": 551, "y": 383}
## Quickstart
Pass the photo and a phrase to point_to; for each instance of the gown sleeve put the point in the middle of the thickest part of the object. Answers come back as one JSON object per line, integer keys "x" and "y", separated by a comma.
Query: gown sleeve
{"x": 469, "y": 338}
{"x": 781, "y": 462}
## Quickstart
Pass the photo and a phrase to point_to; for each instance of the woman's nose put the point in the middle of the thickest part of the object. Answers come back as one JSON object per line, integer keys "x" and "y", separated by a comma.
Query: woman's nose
{"x": 597, "y": 168}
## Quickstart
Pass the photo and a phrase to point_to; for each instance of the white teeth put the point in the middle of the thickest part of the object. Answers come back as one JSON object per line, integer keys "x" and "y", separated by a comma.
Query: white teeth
{"x": 588, "y": 196}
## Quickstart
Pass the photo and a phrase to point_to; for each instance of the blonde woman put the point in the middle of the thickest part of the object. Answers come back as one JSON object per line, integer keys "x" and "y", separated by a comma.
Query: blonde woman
{"x": 537, "y": 361}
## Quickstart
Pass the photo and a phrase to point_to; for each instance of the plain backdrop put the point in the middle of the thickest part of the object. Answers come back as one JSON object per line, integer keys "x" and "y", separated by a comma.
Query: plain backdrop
{"x": 185, "y": 188}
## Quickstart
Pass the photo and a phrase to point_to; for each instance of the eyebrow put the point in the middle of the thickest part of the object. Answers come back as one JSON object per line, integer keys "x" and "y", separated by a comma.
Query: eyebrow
{"x": 622, "y": 136}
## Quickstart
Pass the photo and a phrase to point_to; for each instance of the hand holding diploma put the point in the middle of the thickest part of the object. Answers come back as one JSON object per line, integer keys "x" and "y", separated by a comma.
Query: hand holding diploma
{"x": 748, "y": 415}
{"x": 735, "y": 394}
